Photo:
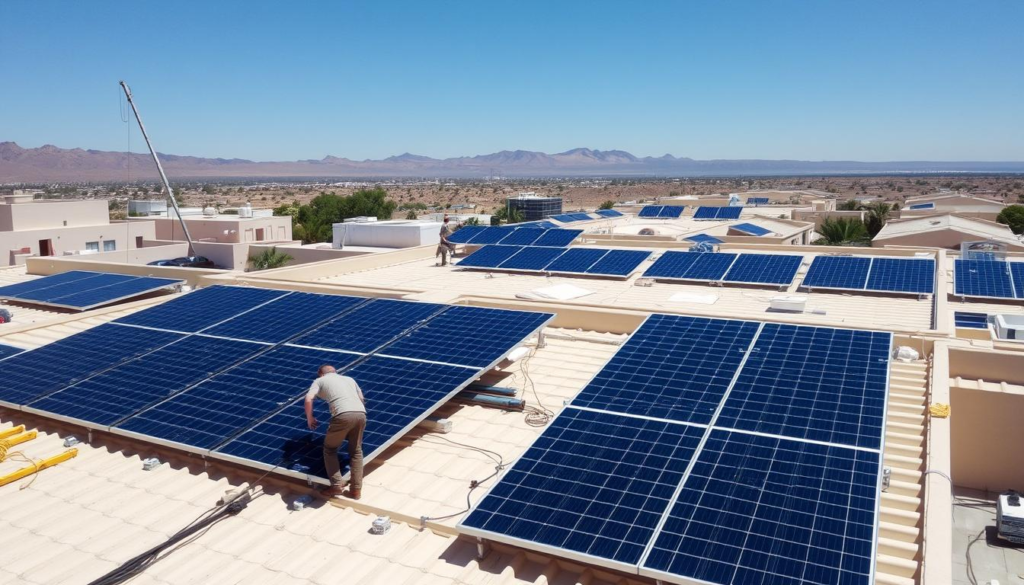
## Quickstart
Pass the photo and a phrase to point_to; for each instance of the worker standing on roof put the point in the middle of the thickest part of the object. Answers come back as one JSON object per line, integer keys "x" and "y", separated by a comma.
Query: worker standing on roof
{"x": 445, "y": 247}
{"x": 348, "y": 420}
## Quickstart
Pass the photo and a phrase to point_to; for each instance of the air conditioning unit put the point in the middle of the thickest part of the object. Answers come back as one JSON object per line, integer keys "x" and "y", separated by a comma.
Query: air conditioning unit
{"x": 792, "y": 303}
{"x": 1010, "y": 327}
{"x": 1010, "y": 517}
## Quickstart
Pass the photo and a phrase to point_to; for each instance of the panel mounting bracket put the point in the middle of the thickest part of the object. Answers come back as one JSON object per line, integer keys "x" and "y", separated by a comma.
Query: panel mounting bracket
{"x": 482, "y": 548}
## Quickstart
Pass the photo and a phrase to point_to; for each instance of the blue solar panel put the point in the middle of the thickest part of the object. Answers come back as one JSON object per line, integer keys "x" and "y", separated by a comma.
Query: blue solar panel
{"x": 765, "y": 510}
{"x": 709, "y": 266}
{"x": 902, "y": 275}
{"x": 595, "y": 484}
{"x": 565, "y": 217}
{"x": 619, "y": 262}
{"x": 368, "y": 327}
{"x": 7, "y": 351}
{"x": 104, "y": 399}
{"x": 673, "y": 367}
{"x": 83, "y": 290}
{"x": 983, "y": 278}
{"x": 704, "y": 212}
{"x": 36, "y": 373}
{"x": 608, "y": 213}
{"x": 672, "y": 265}
{"x": 285, "y": 317}
{"x": 922, "y": 206}
{"x": 547, "y": 225}
{"x": 218, "y": 409}
{"x": 700, "y": 238}
{"x": 729, "y": 212}
{"x": 64, "y": 278}
{"x": 532, "y": 258}
{"x": 50, "y": 294}
{"x": 491, "y": 235}
{"x": 469, "y": 336}
{"x": 971, "y": 320}
{"x": 203, "y": 308}
{"x": 813, "y": 383}
{"x": 650, "y": 211}
{"x": 764, "y": 269}
{"x": 558, "y": 238}
{"x": 466, "y": 233}
{"x": 842, "y": 272}
{"x": 399, "y": 393}
{"x": 522, "y": 237}
{"x": 671, "y": 211}
{"x": 750, "y": 229}
{"x": 576, "y": 260}
{"x": 757, "y": 200}
{"x": 1017, "y": 274}
{"x": 490, "y": 256}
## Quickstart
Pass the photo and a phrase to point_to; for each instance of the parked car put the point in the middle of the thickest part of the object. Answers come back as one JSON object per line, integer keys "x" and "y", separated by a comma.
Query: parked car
{"x": 186, "y": 262}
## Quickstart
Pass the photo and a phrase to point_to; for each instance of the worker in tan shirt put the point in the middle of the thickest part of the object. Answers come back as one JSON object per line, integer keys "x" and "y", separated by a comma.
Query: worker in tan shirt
{"x": 348, "y": 420}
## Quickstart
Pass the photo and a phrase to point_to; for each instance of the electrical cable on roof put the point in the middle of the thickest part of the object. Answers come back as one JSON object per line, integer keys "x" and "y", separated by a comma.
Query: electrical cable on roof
{"x": 472, "y": 484}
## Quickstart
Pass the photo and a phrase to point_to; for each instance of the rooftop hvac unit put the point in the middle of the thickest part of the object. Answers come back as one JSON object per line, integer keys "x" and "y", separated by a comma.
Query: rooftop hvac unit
{"x": 1010, "y": 327}
{"x": 245, "y": 211}
{"x": 793, "y": 304}
{"x": 1010, "y": 517}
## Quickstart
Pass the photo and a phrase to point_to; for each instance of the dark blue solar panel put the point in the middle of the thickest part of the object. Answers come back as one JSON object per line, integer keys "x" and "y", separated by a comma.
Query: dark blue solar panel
{"x": 491, "y": 235}
{"x": 466, "y": 233}
{"x": 546, "y": 225}
{"x": 650, "y": 211}
{"x": 203, "y": 308}
{"x": 7, "y": 351}
{"x": 115, "y": 289}
{"x": 813, "y": 383}
{"x": 671, "y": 211}
{"x": 902, "y": 275}
{"x": 558, "y": 238}
{"x": 522, "y": 237}
{"x": 227, "y": 404}
{"x": 751, "y": 229}
{"x": 983, "y": 278}
{"x": 709, "y": 266}
{"x": 1017, "y": 274}
{"x": 619, "y": 262}
{"x": 700, "y": 238}
{"x": 365, "y": 329}
{"x": 729, "y": 212}
{"x": 62, "y": 279}
{"x": 565, "y": 217}
{"x": 704, "y": 212}
{"x": 764, "y": 510}
{"x": 532, "y": 258}
{"x": 285, "y": 317}
{"x": 922, "y": 206}
{"x": 672, "y": 265}
{"x": 764, "y": 269}
{"x": 673, "y": 367}
{"x": 36, "y": 373}
{"x": 470, "y": 336}
{"x": 593, "y": 483}
{"x": 757, "y": 200}
{"x": 971, "y": 320}
{"x": 398, "y": 394}
{"x": 489, "y": 256}
{"x": 843, "y": 272}
{"x": 120, "y": 392}
{"x": 576, "y": 260}
{"x": 581, "y": 216}
{"x": 608, "y": 213}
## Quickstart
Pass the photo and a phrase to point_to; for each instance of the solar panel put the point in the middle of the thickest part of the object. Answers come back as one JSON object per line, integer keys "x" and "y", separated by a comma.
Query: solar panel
{"x": 699, "y": 238}
{"x": 983, "y": 278}
{"x": 608, "y": 213}
{"x": 902, "y": 275}
{"x": 469, "y": 336}
{"x": 104, "y": 399}
{"x": 709, "y": 266}
{"x": 672, "y": 265}
{"x": 558, "y": 238}
{"x": 105, "y": 295}
{"x": 729, "y": 212}
{"x": 750, "y": 229}
{"x": 491, "y": 235}
{"x": 777, "y": 269}
{"x": 841, "y": 272}
{"x": 576, "y": 260}
{"x": 7, "y": 351}
{"x": 565, "y": 217}
{"x": 220, "y": 408}
{"x": 466, "y": 233}
{"x": 370, "y": 326}
{"x": 619, "y": 262}
{"x": 813, "y": 383}
{"x": 922, "y": 206}
{"x": 399, "y": 394}
{"x": 970, "y": 320}
{"x": 672, "y": 367}
{"x": 522, "y": 237}
{"x": 82, "y": 290}
{"x": 1017, "y": 275}
{"x": 650, "y": 211}
{"x": 757, "y": 200}
{"x": 32, "y": 374}
{"x": 704, "y": 212}
{"x": 582, "y": 216}
{"x": 13, "y": 290}
{"x": 203, "y": 308}
{"x": 285, "y": 317}
{"x": 532, "y": 258}
{"x": 490, "y": 256}
{"x": 593, "y": 486}
{"x": 671, "y": 211}
{"x": 766, "y": 510}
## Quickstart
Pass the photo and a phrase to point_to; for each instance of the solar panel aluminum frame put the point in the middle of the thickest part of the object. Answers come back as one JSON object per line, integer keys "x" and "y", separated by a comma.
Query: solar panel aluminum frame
{"x": 867, "y": 278}
{"x": 367, "y": 457}
{"x": 175, "y": 283}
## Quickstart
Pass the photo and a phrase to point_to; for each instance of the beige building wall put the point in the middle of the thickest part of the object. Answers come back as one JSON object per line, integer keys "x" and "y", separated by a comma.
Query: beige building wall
{"x": 61, "y": 240}
{"x": 987, "y": 439}
{"x": 948, "y": 238}
{"x": 52, "y": 214}
{"x": 818, "y": 217}
{"x": 225, "y": 230}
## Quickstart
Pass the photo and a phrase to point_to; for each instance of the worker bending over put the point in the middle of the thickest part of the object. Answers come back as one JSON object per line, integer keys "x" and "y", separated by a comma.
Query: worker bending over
{"x": 445, "y": 247}
{"x": 348, "y": 420}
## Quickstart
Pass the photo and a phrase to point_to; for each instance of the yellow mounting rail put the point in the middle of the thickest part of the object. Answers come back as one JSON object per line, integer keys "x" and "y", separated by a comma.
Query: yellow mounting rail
{"x": 12, "y": 431}
{"x": 38, "y": 466}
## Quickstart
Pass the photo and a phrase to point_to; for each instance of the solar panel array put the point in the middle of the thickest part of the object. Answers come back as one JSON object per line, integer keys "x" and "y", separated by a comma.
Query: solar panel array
{"x": 750, "y": 229}
{"x": 757, "y": 201}
{"x": 711, "y": 450}
{"x": 662, "y": 211}
{"x": 82, "y": 290}
{"x": 901, "y": 275}
{"x": 699, "y": 238}
{"x": 995, "y": 279}
{"x": 608, "y": 213}
{"x": 585, "y": 261}
{"x": 968, "y": 320}
{"x": 922, "y": 206}
{"x": 572, "y": 217}
{"x": 7, "y": 351}
{"x": 707, "y": 213}
{"x": 766, "y": 269}
{"x": 222, "y": 371}
{"x": 519, "y": 236}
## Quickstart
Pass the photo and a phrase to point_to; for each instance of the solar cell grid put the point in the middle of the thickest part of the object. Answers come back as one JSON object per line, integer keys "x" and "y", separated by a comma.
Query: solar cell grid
{"x": 490, "y": 256}
{"x": 709, "y": 266}
{"x": 650, "y": 211}
{"x": 839, "y": 272}
{"x": 466, "y": 233}
{"x": 202, "y": 308}
{"x": 983, "y": 278}
{"x": 7, "y": 351}
{"x": 729, "y": 212}
{"x": 491, "y": 235}
{"x": 751, "y": 229}
{"x": 764, "y": 269}
{"x": 671, "y": 265}
{"x": 704, "y": 238}
{"x": 565, "y": 217}
{"x": 55, "y": 292}
{"x": 532, "y": 258}
{"x": 971, "y": 320}
{"x": 558, "y": 238}
{"x": 83, "y": 289}
{"x": 902, "y": 275}
{"x": 369, "y": 326}
{"x": 13, "y": 290}
{"x": 671, "y": 211}
{"x": 619, "y": 262}
{"x": 594, "y": 484}
{"x": 1017, "y": 275}
{"x": 676, "y": 368}
{"x": 757, "y": 200}
{"x": 522, "y": 237}
{"x": 704, "y": 212}
{"x": 608, "y": 213}
{"x": 576, "y": 260}
{"x": 285, "y": 317}
{"x": 764, "y": 510}
{"x": 110, "y": 293}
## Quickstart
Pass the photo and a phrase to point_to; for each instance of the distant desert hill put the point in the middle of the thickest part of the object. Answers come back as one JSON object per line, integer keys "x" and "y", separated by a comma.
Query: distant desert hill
{"x": 50, "y": 163}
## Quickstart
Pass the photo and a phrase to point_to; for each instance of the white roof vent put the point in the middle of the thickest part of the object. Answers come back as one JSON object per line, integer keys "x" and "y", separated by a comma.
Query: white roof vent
{"x": 209, "y": 212}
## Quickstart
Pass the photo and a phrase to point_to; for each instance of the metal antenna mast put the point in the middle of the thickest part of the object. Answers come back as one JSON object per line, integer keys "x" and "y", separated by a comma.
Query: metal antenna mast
{"x": 159, "y": 167}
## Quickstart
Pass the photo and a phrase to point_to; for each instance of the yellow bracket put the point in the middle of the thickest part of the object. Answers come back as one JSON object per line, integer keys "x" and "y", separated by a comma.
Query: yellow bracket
{"x": 37, "y": 467}
{"x": 939, "y": 410}
{"x": 12, "y": 431}
{"x": 19, "y": 439}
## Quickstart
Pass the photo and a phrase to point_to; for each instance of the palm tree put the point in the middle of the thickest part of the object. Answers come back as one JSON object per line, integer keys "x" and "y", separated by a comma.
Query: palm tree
{"x": 842, "y": 231}
{"x": 878, "y": 214}
{"x": 269, "y": 259}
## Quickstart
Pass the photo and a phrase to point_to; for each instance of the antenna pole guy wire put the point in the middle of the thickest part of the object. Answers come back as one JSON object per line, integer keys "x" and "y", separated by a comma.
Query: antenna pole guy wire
{"x": 160, "y": 168}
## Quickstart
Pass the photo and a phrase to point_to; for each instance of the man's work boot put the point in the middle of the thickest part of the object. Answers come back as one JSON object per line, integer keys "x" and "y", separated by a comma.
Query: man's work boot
{"x": 333, "y": 491}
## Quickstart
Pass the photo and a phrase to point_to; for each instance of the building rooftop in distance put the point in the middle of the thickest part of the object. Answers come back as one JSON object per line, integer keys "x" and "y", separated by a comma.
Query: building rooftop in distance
{"x": 946, "y": 230}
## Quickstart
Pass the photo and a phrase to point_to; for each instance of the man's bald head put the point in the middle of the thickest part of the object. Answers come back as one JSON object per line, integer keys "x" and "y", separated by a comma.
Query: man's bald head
{"x": 325, "y": 369}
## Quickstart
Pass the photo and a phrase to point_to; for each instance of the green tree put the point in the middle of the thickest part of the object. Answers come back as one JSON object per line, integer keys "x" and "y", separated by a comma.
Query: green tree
{"x": 269, "y": 259}
{"x": 878, "y": 214}
{"x": 327, "y": 209}
{"x": 607, "y": 205}
{"x": 848, "y": 205}
{"x": 410, "y": 215}
{"x": 507, "y": 215}
{"x": 842, "y": 231}
{"x": 1013, "y": 216}
{"x": 471, "y": 221}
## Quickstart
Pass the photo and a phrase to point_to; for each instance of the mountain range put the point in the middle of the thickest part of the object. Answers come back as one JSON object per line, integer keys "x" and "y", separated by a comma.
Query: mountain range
{"x": 50, "y": 163}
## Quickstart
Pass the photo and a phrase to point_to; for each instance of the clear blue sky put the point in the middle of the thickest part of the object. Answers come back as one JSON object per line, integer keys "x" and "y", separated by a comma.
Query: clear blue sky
{"x": 807, "y": 79}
